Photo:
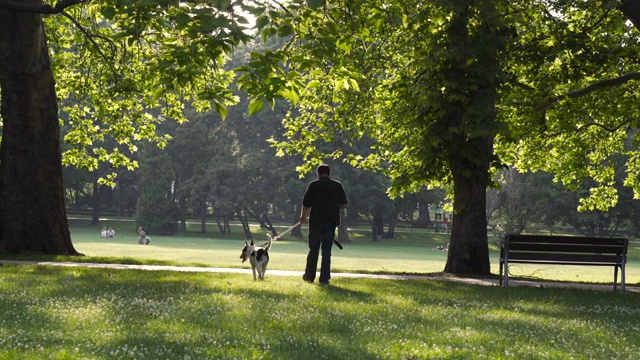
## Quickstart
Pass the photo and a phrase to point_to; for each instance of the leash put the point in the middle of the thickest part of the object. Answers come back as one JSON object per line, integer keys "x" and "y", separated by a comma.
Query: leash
{"x": 293, "y": 227}
{"x": 286, "y": 231}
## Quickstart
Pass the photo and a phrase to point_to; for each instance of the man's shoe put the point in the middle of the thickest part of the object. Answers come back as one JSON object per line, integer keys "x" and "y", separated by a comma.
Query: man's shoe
{"x": 305, "y": 278}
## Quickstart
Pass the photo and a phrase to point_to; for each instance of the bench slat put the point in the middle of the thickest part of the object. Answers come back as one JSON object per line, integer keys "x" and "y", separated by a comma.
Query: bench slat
{"x": 565, "y": 240}
{"x": 565, "y": 258}
{"x": 568, "y": 248}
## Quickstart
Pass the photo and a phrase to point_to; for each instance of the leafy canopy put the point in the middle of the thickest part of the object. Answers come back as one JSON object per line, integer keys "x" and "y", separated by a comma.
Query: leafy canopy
{"x": 566, "y": 86}
{"x": 122, "y": 67}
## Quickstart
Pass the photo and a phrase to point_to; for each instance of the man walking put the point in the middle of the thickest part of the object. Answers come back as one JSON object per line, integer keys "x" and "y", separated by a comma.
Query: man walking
{"x": 321, "y": 205}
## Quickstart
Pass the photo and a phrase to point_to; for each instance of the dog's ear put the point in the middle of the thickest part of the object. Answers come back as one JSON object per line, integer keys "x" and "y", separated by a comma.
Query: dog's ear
{"x": 253, "y": 242}
{"x": 246, "y": 243}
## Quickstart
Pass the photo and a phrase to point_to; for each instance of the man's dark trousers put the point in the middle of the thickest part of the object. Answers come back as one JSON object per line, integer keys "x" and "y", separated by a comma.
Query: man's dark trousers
{"x": 321, "y": 236}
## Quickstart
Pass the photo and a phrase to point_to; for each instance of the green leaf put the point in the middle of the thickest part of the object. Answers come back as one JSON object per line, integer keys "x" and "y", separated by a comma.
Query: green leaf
{"x": 285, "y": 30}
{"x": 292, "y": 96}
{"x": 182, "y": 20}
{"x": 314, "y": 84}
{"x": 255, "y": 105}
{"x": 261, "y": 22}
{"x": 158, "y": 93}
{"x": 315, "y": 4}
{"x": 220, "y": 109}
{"x": 109, "y": 13}
{"x": 267, "y": 33}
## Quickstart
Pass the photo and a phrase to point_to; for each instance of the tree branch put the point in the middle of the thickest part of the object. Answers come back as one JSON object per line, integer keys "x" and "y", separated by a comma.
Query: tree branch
{"x": 95, "y": 44}
{"x": 604, "y": 127}
{"x": 21, "y": 7}
{"x": 30, "y": 8}
{"x": 614, "y": 82}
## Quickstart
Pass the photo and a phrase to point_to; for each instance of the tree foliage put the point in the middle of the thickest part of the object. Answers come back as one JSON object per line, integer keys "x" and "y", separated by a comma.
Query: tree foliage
{"x": 136, "y": 64}
{"x": 156, "y": 209}
{"x": 569, "y": 104}
{"x": 436, "y": 83}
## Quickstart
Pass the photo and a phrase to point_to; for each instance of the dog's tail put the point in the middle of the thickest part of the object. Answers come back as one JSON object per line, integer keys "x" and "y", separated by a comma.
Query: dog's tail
{"x": 268, "y": 246}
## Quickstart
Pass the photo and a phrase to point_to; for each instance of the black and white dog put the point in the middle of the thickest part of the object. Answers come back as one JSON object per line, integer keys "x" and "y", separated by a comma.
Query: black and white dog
{"x": 258, "y": 257}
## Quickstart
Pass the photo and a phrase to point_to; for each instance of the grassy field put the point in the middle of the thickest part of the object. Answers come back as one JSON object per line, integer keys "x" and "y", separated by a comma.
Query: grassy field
{"x": 88, "y": 313}
{"x": 413, "y": 252}
{"x": 52, "y": 312}
{"x": 213, "y": 250}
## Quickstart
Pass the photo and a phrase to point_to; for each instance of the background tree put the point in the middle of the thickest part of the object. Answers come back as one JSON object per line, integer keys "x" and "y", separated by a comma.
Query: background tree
{"x": 156, "y": 209}
{"x": 190, "y": 150}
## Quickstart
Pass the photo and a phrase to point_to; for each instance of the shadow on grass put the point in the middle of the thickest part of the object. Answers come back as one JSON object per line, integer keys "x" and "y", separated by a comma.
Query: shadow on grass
{"x": 106, "y": 313}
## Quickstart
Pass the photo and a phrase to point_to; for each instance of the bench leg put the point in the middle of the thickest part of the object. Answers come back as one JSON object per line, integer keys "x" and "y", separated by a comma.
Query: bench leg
{"x": 506, "y": 274}
{"x": 615, "y": 278}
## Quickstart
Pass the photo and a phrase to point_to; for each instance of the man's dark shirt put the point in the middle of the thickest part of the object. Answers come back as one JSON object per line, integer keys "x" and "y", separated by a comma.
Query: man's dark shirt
{"x": 324, "y": 196}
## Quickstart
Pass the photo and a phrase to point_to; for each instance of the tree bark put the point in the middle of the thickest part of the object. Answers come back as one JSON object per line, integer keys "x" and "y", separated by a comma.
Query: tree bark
{"x": 468, "y": 247}
{"x": 424, "y": 218}
{"x": 470, "y": 150}
{"x": 391, "y": 233}
{"x": 32, "y": 210}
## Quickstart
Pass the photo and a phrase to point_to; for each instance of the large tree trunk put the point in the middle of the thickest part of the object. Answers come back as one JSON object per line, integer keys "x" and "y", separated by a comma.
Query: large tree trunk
{"x": 32, "y": 211}
{"x": 468, "y": 246}
{"x": 424, "y": 218}
{"x": 470, "y": 149}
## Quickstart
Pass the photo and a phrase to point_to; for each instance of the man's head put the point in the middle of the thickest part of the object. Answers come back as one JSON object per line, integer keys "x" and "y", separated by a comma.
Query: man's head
{"x": 323, "y": 170}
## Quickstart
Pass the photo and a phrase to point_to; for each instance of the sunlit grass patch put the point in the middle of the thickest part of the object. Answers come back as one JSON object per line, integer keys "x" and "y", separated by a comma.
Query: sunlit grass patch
{"x": 82, "y": 313}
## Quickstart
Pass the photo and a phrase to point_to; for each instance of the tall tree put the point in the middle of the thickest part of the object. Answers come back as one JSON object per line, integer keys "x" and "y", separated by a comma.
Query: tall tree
{"x": 156, "y": 209}
{"x": 436, "y": 83}
{"x": 420, "y": 78}
{"x": 32, "y": 209}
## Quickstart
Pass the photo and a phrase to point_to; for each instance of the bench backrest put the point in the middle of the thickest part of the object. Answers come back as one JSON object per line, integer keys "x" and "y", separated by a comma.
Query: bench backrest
{"x": 570, "y": 249}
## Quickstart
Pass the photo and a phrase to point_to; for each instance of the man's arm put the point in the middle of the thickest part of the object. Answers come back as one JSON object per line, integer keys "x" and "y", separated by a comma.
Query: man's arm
{"x": 304, "y": 216}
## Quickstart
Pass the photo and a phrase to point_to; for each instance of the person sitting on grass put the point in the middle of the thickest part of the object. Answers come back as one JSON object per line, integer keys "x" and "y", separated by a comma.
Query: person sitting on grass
{"x": 143, "y": 239}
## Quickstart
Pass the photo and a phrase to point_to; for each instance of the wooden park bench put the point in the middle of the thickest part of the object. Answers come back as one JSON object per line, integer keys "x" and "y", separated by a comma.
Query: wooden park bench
{"x": 564, "y": 250}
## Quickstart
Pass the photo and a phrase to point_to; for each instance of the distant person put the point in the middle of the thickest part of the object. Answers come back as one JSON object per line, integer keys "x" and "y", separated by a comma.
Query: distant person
{"x": 445, "y": 222}
{"x": 103, "y": 233}
{"x": 321, "y": 205}
{"x": 143, "y": 239}
{"x": 111, "y": 233}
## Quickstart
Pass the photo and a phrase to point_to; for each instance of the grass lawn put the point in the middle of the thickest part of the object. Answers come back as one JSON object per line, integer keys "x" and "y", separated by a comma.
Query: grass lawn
{"x": 413, "y": 251}
{"x": 52, "y": 312}
{"x": 212, "y": 249}
{"x": 88, "y": 313}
